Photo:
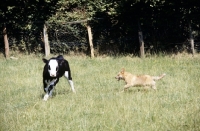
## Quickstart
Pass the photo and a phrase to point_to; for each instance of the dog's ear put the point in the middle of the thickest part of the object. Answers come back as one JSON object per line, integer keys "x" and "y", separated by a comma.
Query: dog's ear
{"x": 123, "y": 70}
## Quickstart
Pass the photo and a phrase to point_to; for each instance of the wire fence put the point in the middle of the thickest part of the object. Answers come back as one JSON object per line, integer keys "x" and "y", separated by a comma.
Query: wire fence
{"x": 63, "y": 40}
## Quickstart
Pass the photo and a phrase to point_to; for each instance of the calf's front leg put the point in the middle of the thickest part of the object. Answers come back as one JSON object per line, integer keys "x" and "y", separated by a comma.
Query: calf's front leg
{"x": 50, "y": 84}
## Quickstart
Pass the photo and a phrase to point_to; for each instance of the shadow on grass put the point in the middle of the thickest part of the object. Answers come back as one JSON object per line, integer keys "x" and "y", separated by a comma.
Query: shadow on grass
{"x": 133, "y": 90}
{"x": 57, "y": 92}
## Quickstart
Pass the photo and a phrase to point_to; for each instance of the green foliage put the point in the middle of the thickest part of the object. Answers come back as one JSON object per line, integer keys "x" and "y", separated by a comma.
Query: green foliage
{"x": 114, "y": 23}
{"x": 99, "y": 103}
{"x": 117, "y": 23}
{"x": 20, "y": 14}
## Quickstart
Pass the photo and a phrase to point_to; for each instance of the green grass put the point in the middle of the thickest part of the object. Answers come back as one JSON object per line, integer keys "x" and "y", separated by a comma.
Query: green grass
{"x": 99, "y": 103}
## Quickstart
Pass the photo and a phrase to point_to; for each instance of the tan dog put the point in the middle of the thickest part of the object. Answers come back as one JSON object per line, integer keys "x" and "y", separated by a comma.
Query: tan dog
{"x": 138, "y": 80}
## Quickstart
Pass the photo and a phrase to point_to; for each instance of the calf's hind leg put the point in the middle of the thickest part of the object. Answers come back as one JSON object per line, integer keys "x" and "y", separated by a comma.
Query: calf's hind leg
{"x": 68, "y": 76}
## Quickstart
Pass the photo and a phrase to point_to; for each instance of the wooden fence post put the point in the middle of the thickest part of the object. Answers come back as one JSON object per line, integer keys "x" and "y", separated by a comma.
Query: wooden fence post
{"x": 6, "y": 42}
{"x": 90, "y": 40}
{"x": 46, "y": 41}
{"x": 141, "y": 41}
{"x": 191, "y": 40}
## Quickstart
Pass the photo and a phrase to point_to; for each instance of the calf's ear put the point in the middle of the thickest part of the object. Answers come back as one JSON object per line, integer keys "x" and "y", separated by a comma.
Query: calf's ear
{"x": 45, "y": 60}
{"x": 61, "y": 62}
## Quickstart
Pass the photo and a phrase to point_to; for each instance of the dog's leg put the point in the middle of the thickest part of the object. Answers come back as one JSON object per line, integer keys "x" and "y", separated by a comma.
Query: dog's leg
{"x": 127, "y": 86}
{"x": 70, "y": 81}
{"x": 146, "y": 87}
{"x": 154, "y": 85}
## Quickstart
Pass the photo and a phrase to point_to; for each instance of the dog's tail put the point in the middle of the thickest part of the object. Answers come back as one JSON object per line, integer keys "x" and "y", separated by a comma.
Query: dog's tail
{"x": 159, "y": 77}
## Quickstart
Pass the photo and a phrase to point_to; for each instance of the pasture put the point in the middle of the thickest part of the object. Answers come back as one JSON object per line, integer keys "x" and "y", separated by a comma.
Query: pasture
{"x": 99, "y": 103}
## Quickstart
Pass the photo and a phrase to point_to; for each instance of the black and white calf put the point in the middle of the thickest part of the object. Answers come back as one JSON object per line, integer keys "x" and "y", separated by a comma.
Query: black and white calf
{"x": 54, "y": 69}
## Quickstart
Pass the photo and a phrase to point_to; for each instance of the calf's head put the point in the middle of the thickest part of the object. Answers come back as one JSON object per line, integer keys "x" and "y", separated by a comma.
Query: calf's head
{"x": 52, "y": 65}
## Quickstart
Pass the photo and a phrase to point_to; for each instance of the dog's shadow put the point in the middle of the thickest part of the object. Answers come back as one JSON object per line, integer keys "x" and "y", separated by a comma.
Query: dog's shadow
{"x": 132, "y": 90}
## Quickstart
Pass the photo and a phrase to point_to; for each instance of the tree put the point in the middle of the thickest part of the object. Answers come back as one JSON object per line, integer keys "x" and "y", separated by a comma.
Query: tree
{"x": 25, "y": 15}
{"x": 114, "y": 23}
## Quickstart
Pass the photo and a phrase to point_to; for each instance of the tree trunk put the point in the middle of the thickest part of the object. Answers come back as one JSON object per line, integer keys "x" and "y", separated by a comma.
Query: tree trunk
{"x": 141, "y": 41}
{"x": 6, "y": 42}
{"x": 90, "y": 41}
{"x": 46, "y": 41}
{"x": 191, "y": 41}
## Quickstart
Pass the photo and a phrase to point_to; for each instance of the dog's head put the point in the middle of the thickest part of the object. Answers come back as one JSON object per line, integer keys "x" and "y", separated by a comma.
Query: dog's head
{"x": 120, "y": 75}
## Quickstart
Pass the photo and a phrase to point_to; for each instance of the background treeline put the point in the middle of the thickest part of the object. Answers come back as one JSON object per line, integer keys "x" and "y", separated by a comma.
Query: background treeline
{"x": 167, "y": 25}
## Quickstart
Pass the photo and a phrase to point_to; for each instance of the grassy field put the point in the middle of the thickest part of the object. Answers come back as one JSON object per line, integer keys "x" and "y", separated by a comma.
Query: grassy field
{"x": 99, "y": 104}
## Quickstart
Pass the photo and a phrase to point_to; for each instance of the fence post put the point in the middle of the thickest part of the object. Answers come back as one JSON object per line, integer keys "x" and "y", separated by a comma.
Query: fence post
{"x": 6, "y": 42}
{"x": 141, "y": 41}
{"x": 191, "y": 40}
{"x": 90, "y": 40}
{"x": 46, "y": 41}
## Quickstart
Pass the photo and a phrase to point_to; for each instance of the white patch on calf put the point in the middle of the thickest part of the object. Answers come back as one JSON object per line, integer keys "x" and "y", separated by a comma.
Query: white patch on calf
{"x": 70, "y": 81}
{"x": 72, "y": 85}
{"x": 53, "y": 68}
{"x": 46, "y": 97}
{"x": 67, "y": 74}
